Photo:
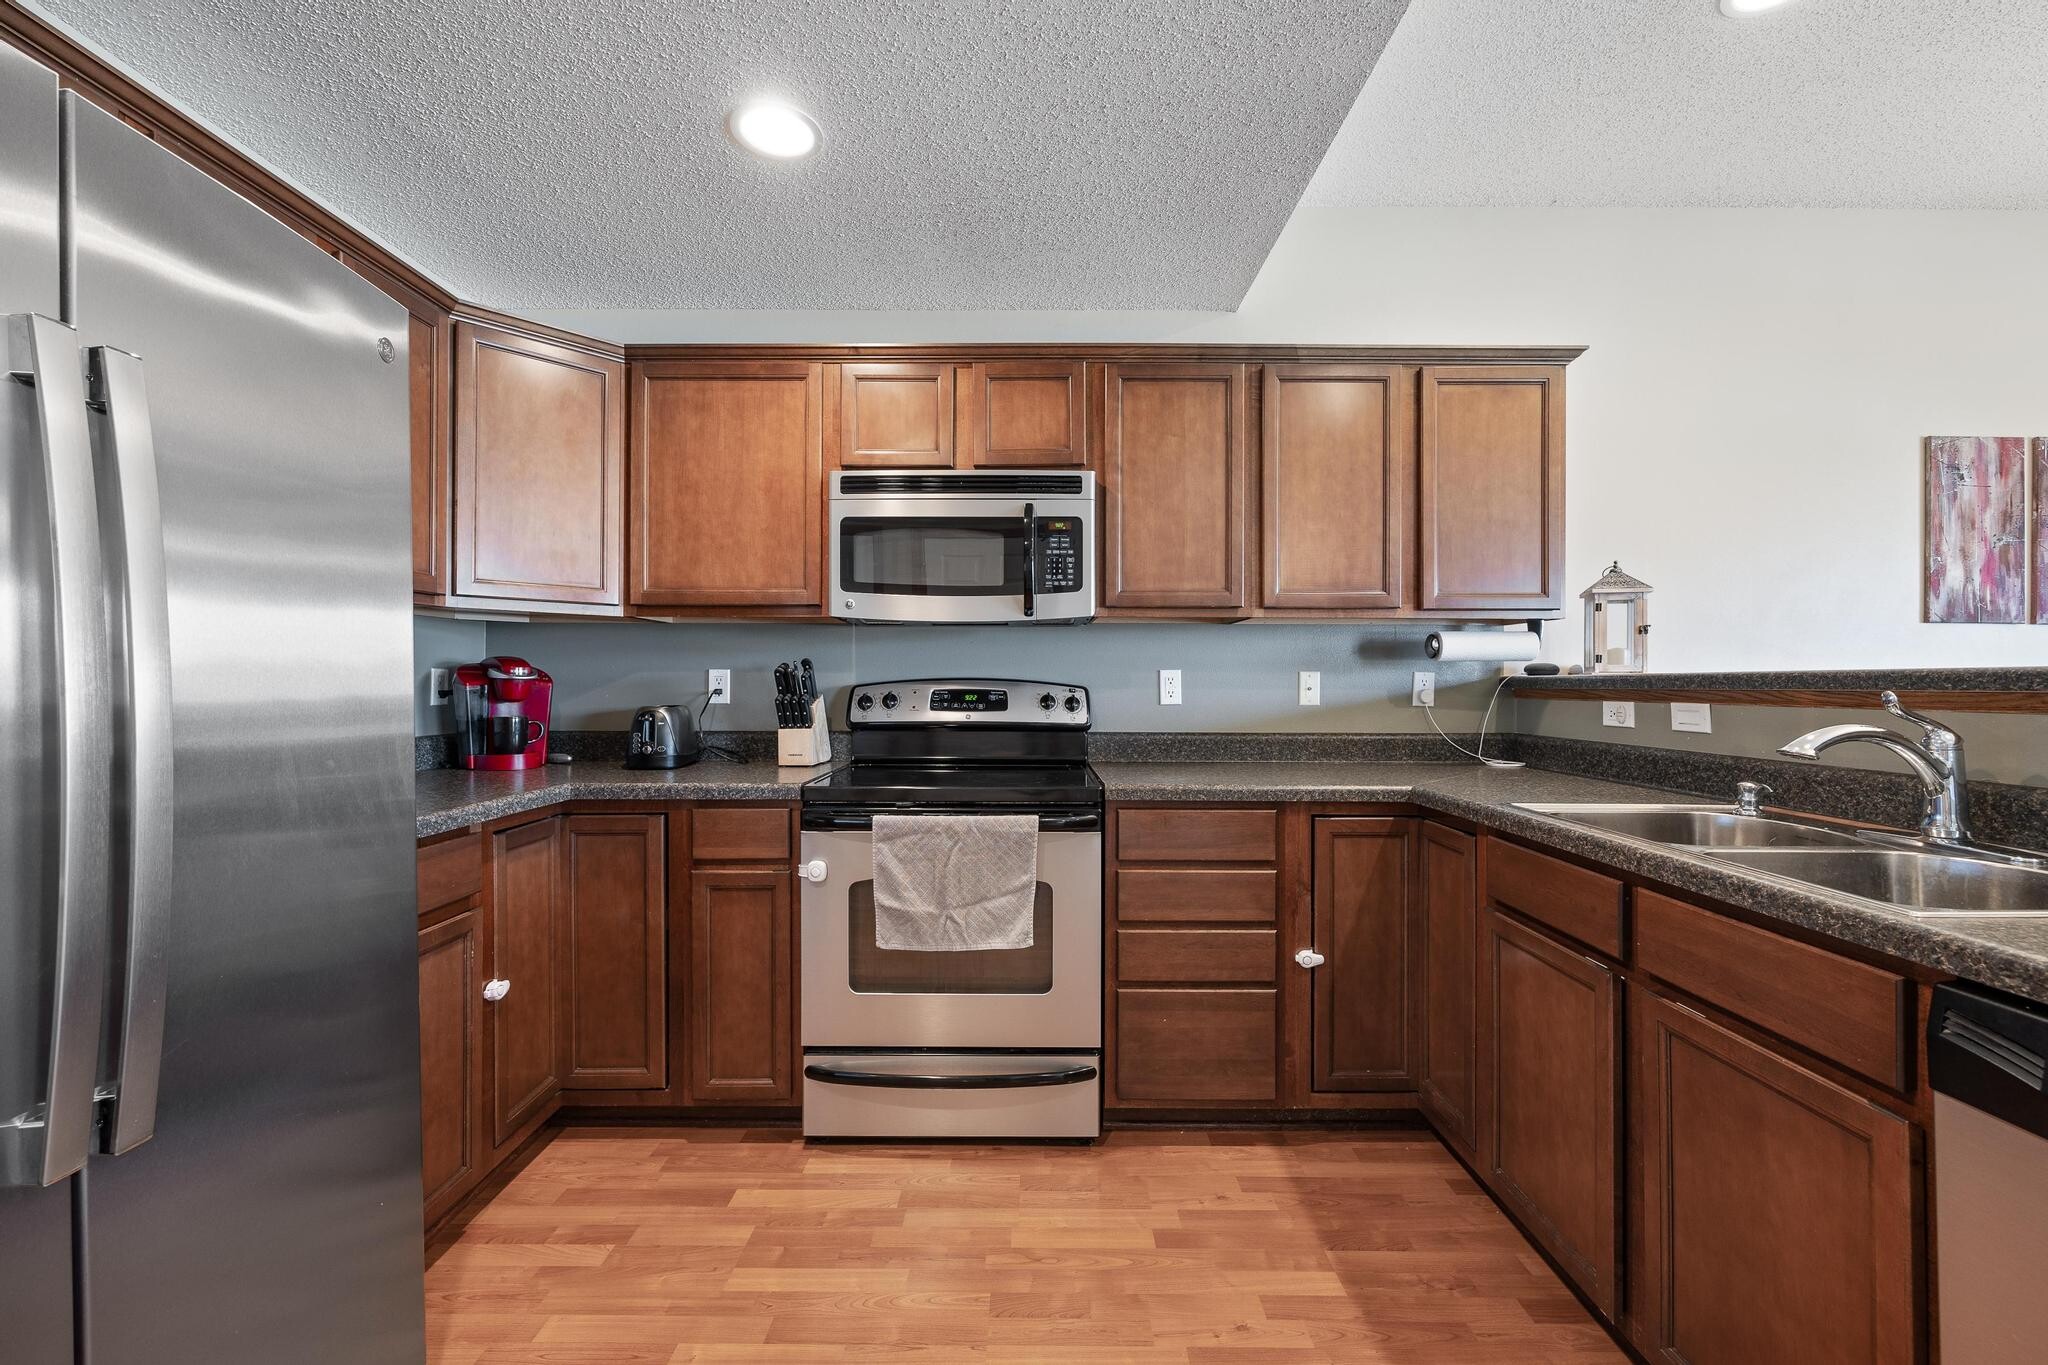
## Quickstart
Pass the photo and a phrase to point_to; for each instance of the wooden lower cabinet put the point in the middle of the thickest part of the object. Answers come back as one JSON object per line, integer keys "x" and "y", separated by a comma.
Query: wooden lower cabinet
{"x": 451, "y": 987}
{"x": 1446, "y": 893}
{"x": 1776, "y": 1208}
{"x": 1196, "y": 1048}
{"x": 613, "y": 878}
{"x": 1366, "y": 1008}
{"x": 742, "y": 996}
{"x": 1549, "y": 1080}
{"x": 526, "y": 1030}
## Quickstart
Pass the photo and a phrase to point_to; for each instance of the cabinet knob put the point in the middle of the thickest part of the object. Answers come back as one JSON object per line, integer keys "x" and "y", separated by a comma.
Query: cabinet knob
{"x": 812, "y": 871}
{"x": 1309, "y": 957}
{"x": 496, "y": 990}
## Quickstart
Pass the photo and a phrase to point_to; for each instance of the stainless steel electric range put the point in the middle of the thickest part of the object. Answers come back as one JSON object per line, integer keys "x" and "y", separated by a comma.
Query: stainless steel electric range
{"x": 992, "y": 1043}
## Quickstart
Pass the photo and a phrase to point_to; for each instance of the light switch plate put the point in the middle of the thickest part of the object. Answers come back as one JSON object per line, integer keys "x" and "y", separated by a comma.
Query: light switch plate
{"x": 1423, "y": 692}
{"x": 1311, "y": 689}
{"x": 718, "y": 681}
{"x": 1696, "y": 716}
{"x": 1169, "y": 687}
{"x": 1622, "y": 713}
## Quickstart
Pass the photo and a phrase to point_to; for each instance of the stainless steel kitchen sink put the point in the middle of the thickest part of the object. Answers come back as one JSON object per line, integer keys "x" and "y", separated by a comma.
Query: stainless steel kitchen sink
{"x": 1917, "y": 883}
{"x": 1699, "y": 826}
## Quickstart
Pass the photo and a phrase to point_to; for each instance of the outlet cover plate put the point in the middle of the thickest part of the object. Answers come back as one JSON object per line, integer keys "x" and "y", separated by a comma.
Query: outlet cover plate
{"x": 438, "y": 690}
{"x": 1621, "y": 713}
{"x": 1696, "y": 716}
{"x": 718, "y": 681}
{"x": 1169, "y": 687}
{"x": 1311, "y": 689}
{"x": 1423, "y": 692}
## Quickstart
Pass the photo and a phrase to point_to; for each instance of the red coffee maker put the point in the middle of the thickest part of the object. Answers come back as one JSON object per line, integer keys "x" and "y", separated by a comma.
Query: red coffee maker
{"x": 502, "y": 713}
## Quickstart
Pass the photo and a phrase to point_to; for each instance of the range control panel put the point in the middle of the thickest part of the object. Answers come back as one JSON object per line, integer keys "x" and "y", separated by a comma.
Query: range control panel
{"x": 1059, "y": 554}
{"x": 968, "y": 701}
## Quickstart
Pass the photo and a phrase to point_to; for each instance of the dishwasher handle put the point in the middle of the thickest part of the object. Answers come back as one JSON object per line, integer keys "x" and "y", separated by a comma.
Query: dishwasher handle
{"x": 1990, "y": 1051}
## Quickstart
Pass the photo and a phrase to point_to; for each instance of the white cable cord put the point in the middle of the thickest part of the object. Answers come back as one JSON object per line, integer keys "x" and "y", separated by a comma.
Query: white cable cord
{"x": 1484, "y": 722}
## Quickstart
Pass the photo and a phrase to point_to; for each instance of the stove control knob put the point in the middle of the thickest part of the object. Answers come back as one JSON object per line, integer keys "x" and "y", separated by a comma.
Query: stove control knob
{"x": 1045, "y": 701}
{"x": 865, "y": 702}
{"x": 1073, "y": 702}
{"x": 888, "y": 701}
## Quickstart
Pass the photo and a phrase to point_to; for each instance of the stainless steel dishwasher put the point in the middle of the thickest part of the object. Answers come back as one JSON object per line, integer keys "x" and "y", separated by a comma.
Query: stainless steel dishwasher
{"x": 1987, "y": 1057}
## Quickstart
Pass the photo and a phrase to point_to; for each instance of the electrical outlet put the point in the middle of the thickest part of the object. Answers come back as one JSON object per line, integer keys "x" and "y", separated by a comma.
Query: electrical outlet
{"x": 437, "y": 687}
{"x": 1696, "y": 716}
{"x": 720, "y": 685}
{"x": 1424, "y": 691}
{"x": 1622, "y": 713}
{"x": 1311, "y": 689}
{"x": 1169, "y": 687}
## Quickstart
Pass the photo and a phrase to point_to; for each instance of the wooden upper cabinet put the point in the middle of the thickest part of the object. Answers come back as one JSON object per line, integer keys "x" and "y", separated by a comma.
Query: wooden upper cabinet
{"x": 1367, "y": 1018}
{"x": 1335, "y": 462}
{"x": 614, "y": 884}
{"x": 1777, "y": 1210}
{"x": 895, "y": 416}
{"x": 1491, "y": 467}
{"x": 728, "y": 506}
{"x": 1021, "y": 414}
{"x": 539, "y": 469}
{"x": 1172, "y": 496}
{"x": 1447, "y": 876}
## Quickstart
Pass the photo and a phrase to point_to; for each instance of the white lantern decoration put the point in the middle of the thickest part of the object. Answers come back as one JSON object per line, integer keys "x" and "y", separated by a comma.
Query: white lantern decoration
{"x": 1617, "y": 608}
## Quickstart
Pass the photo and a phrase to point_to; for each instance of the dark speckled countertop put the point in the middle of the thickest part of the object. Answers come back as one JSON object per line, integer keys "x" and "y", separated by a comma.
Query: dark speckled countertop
{"x": 2010, "y": 954}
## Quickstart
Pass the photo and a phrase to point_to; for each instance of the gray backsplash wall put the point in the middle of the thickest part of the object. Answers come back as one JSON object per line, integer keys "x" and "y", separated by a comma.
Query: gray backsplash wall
{"x": 440, "y": 642}
{"x": 1234, "y": 677}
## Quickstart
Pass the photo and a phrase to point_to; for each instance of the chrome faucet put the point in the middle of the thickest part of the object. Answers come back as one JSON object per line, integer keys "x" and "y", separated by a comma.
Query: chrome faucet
{"x": 1937, "y": 759}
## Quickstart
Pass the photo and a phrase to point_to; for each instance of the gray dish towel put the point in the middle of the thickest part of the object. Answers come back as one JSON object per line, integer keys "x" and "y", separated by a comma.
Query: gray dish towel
{"x": 955, "y": 883}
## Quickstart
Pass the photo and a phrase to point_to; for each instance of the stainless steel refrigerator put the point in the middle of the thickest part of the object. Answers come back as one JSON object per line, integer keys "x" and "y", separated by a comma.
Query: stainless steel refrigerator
{"x": 209, "y": 1068}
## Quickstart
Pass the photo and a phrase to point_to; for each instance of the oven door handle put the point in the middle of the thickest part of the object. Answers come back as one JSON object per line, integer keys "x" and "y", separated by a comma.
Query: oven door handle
{"x": 1030, "y": 562}
{"x": 897, "y": 1080}
{"x": 1084, "y": 821}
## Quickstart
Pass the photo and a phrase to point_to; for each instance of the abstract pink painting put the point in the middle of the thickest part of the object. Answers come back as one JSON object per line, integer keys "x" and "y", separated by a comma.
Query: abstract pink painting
{"x": 1976, "y": 528}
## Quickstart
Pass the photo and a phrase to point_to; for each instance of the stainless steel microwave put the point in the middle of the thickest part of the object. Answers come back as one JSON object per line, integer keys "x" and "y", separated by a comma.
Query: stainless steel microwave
{"x": 963, "y": 547}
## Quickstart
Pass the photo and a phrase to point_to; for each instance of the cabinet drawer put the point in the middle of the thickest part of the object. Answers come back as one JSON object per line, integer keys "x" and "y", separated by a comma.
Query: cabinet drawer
{"x": 1233, "y": 957}
{"x": 1233, "y": 895}
{"x": 739, "y": 834}
{"x": 1196, "y": 1047}
{"x": 1844, "y": 1010}
{"x": 450, "y": 870}
{"x": 1563, "y": 895}
{"x": 1198, "y": 836}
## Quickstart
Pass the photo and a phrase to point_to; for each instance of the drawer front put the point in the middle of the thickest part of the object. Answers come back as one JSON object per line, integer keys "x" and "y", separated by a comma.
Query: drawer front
{"x": 739, "y": 834}
{"x": 1198, "y": 835}
{"x": 1196, "y": 1047}
{"x": 1846, "y": 1011}
{"x": 1206, "y": 895}
{"x": 1195, "y": 957}
{"x": 1565, "y": 896}
{"x": 450, "y": 870}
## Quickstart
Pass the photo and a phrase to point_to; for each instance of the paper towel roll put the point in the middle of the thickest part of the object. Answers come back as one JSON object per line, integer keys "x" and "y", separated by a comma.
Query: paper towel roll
{"x": 1484, "y": 646}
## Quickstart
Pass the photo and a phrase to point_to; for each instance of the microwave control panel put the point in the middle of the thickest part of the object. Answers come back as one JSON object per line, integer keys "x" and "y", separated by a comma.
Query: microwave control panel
{"x": 1059, "y": 554}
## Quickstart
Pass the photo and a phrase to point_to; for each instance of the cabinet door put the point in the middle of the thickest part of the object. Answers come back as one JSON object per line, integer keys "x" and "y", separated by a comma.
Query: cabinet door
{"x": 1172, "y": 494}
{"x": 540, "y": 456}
{"x": 451, "y": 1060}
{"x": 1366, "y": 1011}
{"x": 728, "y": 472}
{"x": 1193, "y": 1049}
{"x": 895, "y": 416}
{"x": 430, "y": 355}
{"x": 1549, "y": 1027}
{"x": 1335, "y": 464}
{"x": 742, "y": 997}
{"x": 1492, "y": 474}
{"x": 1777, "y": 1208}
{"x": 1021, "y": 414}
{"x": 528, "y": 1027}
{"x": 1448, "y": 893}
{"x": 613, "y": 880}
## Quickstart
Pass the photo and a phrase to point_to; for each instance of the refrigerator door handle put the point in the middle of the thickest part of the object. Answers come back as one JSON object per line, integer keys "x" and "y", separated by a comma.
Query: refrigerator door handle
{"x": 52, "y": 1140}
{"x": 139, "y": 643}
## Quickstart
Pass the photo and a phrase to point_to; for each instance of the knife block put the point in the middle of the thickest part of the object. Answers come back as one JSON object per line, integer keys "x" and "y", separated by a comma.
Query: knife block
{"x": 805, "y": 746}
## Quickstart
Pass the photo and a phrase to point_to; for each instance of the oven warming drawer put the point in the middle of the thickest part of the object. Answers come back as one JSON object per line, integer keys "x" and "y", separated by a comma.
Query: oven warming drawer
{"x": 952, "y": 1094}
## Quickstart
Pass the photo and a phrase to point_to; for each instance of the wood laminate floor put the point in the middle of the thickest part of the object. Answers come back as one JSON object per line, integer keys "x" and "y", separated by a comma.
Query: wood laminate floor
{"x": 644, "y": 1246}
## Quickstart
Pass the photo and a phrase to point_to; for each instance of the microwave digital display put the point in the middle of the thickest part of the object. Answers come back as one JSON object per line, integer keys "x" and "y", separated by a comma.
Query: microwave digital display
{"x": 970, "y": 699}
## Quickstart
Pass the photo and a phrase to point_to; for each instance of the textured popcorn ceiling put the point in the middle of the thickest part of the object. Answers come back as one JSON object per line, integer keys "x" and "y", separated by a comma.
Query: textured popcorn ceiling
{"x": 1056, "y": 154}
{"x": 1598, "y": 103}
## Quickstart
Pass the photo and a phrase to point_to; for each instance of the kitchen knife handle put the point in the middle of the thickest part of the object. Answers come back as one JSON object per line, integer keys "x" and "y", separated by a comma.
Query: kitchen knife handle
{"x": 51, "y": 1141}
{"x": 131, "y": 523}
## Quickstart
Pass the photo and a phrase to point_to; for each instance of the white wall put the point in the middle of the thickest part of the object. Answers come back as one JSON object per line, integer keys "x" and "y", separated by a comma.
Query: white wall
{"x": 1744, "y": 432}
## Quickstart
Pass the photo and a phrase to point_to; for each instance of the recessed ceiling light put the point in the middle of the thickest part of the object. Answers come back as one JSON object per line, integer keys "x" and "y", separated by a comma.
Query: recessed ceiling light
{"x": 1743, "y": 9}
{"x": 769, "y": 128}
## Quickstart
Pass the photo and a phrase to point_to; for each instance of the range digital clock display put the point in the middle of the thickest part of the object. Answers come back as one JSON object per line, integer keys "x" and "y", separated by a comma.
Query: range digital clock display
{"x": 970, "y": 699}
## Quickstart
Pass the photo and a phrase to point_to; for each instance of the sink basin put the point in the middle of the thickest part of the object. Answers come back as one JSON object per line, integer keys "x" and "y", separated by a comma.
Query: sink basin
{"x": 1699, "y": 826}
{"x": 1917, "y": 883}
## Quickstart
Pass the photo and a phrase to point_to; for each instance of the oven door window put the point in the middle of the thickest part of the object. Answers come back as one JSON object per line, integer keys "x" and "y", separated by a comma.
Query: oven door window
{"x": 933, "y": 556}
{"x": 892, "y": 971}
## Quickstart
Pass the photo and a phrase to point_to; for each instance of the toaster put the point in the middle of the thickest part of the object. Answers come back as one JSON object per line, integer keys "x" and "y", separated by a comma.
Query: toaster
{"x": 663, "y": 737}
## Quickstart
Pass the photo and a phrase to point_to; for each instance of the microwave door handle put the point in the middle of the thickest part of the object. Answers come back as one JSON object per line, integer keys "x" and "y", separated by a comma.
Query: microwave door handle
{"x": 140, "y": 644}
{"x": 1030, "y": 562}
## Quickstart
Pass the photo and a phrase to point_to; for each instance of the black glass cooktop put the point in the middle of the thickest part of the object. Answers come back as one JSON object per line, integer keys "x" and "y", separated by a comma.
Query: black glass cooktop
{"x": 928, "y": 785}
